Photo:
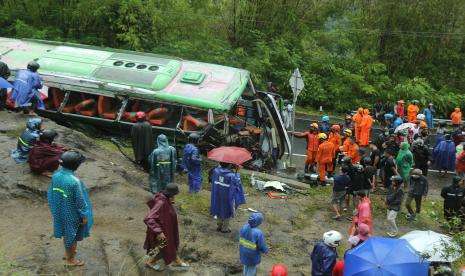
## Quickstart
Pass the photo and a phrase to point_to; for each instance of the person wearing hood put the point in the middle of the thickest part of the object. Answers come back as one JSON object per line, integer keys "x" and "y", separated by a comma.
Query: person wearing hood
{"x": 70, "y": 205}
{"x": 25, "y": 91}
{"x": 142, "y": 140}
{"x": 162, "y": 165}
{"x": 453, "y": 198}
{"x": 348, "y": 123}
{"x": 226, "y": 195}
{"x": 429, "y": 115}
{"x": 162, "y": 236}
{"x": 324, "y": 126}
{"x": 421, "y": 156}
{"x": 193, "y": 163}
{"x": 444, "y": 155}
{"x": 365, "y": 128}
{"x": 44, "y": 156}
{"x": 27, "y": 139}
{"x": 358, "y": 118}
{"x": 400, "y": 109}
{"x": 362, "y": 233}
{"x": 417, "y": 189}
{"x": 324, "y": 254}
{"x": 412, "y": 111}
{"x": 456, "y": 117}
{"x": 404, "y": 161}
{"x": 252, "y": 244}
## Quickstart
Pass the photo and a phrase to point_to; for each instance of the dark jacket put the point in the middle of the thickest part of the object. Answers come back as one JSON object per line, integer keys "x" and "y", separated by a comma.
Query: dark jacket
{"x": 418, "y": 186}
{"x": 421, "y": 155}
{"x": 341, "y": 183}
{"x": 453, "y": 197}
{"x": 394, "y": 199}
{"x": 323, "y": 259}
{"x": 4, "y": 70}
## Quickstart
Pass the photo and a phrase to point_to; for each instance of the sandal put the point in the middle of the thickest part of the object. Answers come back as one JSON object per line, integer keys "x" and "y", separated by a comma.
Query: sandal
{"x": 181, "y": 264}
{"x": 76, "y": 263}
{"x": 156, "y": 267}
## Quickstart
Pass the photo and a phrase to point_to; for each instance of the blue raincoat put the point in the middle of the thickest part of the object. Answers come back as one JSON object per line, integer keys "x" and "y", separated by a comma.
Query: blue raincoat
{"x": 252, "y": 242}
{"x": 162, "y": 165}
{"x": 444, "y": 156}
{"x": 226, "y": 193}
{"x": 69, "y": 203}
{"x": 429, "y": 115}
{"x": 25, "y": 87}
{"x": 397, "y": 122}
{"x": 27, "y": 140}
{"x": 323, "y": 259}
{"x": 193, "y": 163}
{"x": 325, "y": 128}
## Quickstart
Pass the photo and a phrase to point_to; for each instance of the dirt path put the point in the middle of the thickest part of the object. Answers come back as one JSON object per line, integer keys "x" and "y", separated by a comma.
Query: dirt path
{"x": 118, "y": 194}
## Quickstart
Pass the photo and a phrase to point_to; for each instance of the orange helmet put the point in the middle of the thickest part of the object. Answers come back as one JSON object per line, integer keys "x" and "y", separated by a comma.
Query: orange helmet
{"x": 314, "y": 125}
{"x": 336, "y": 127}
{"x": 279, "y": 270}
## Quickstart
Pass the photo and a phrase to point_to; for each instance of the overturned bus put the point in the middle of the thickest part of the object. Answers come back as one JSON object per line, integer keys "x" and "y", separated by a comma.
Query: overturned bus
{"x": 108, "y": 86}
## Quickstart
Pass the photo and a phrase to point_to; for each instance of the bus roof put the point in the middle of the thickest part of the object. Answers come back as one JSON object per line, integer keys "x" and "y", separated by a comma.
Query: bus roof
{"x": 165, "y": 78}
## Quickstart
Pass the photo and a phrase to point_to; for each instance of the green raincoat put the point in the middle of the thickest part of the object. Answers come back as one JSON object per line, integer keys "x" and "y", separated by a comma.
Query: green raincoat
{"x": 404, "y": 161}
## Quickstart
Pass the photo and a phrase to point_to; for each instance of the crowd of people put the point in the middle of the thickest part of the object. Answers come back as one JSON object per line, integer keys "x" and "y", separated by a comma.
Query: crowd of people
{"x": 368, "y": 164}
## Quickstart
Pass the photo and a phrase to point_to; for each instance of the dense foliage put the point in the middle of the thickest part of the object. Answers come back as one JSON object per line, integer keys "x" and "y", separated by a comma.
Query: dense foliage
{"x": 350, "y": 52}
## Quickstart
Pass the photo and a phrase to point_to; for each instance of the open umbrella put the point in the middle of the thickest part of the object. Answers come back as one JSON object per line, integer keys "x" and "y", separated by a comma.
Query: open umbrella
{"x": 437, "y": 247}
{"x": 232, "y": 155}
{"x": 4, "y": 83}
{"x": 384, "y": 257}
{"x": 404, "y": 127}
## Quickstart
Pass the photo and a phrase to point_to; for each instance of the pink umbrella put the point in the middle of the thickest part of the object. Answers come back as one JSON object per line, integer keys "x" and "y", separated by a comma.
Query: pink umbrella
{"x": 232, "y": 155}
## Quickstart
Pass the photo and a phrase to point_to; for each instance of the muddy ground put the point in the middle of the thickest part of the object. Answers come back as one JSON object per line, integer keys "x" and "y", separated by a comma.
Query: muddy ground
{"x": 118, "y": 192}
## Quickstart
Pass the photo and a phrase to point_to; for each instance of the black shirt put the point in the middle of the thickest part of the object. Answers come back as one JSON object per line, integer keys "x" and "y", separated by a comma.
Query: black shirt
{"x": 341, "y": 183}
{"x": 453, "y": 197}
{"x": 368, "y": 173}
{"x": 388, "y": 171}
{"x": 373, "y": 154}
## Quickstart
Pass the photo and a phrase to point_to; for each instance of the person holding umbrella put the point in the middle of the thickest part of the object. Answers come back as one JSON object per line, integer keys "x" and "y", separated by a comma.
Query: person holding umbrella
{"x": 226, "y": 186}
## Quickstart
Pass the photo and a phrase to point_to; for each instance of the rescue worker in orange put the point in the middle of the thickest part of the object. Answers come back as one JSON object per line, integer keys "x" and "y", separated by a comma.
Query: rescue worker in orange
{"x": 312, "y": 146}
{"x": 346, "y": 144}
{"x": 358, "y": 117}
{"x": 365, "y": 128}
{"x": 350, "y": 147}
{"x": 335, "y": 138}
{"x": 456, "y": 117}
{"x": 412, "y": 111}
{"x": 352, "y": 150}
{"x": 324, "y": 157}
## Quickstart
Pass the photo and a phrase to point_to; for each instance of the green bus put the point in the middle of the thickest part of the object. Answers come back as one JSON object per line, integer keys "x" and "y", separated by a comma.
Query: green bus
{"x": 107, "y": 87}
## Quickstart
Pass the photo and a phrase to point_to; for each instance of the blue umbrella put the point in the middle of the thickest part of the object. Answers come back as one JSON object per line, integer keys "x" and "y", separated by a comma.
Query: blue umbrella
{"x": 384, "y": 257}
{"x": 4, "y": 83}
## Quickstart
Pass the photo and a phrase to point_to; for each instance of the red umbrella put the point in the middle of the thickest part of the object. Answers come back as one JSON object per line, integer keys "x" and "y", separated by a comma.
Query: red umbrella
{"x": 232, "y": 155}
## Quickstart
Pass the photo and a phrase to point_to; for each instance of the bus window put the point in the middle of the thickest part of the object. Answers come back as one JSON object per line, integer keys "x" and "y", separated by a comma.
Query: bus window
{"x": 108, "y": 107}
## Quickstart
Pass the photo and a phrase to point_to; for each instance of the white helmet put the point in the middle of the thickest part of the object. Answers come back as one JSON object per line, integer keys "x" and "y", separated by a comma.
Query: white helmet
{"x": 421, "y": 117}
{"x": 332, "y": 238}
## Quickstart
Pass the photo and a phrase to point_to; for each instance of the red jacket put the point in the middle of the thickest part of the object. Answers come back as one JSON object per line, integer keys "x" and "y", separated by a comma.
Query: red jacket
{"x": 460, "y": 164}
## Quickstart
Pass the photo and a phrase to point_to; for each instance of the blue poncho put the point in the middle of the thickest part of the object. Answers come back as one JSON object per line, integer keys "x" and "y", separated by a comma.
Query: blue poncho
{"x": 27, "y": 140}
{"x": 162, "y": 165}
{"x": 444, "y": 156}
{"x": 226, "y": 193}
{"x": 69, "y": 203}
{"x": 25, "y": 88}
{"x": 193, "y": 163}
{"x": 429, "y": 115}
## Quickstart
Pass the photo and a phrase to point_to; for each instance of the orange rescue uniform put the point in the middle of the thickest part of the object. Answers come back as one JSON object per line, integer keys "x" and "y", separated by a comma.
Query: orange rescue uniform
{"x": 357, "y": 122}
{"x": 312, "y": 147}
{"x": 412, "y": 111}
{"x": 324, "y": 158}
{"x": 456, "y": 117}
{"x": 365, "y": 128}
